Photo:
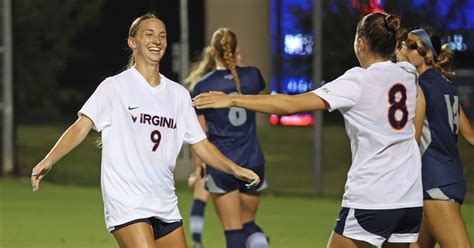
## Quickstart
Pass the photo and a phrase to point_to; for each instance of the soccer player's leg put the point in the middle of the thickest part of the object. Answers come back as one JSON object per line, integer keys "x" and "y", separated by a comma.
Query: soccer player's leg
{"x": 170, "y": 235}
{"x": 196, "y": 219}
{"x": 137, "y": 233}
{"x": 336, "y": 240}
{"x": 425, "y": 239}
{"x": 224, "y": 191}
{"x": 249, "y": 201}
{"x": 446, "y": 224}
{"x": 442, "y": 214}
{"x": 256, "y": 238}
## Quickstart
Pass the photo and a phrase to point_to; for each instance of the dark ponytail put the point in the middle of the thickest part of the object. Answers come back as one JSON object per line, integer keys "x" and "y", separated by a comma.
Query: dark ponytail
{"x": 382, "y": 32}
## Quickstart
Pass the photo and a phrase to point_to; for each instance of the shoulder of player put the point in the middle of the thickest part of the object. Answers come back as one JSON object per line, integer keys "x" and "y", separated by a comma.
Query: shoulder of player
{"x": 407, "y": 66}
{"x": 108, "y": 83}
{"x": 124, "y": 77}
{"x": 354, "y": 74}
{"x": 205, "y": 80}
{"x": 248, "y": 69}
{"x": 435, "y": 81}
{"x": 173, "y": 85}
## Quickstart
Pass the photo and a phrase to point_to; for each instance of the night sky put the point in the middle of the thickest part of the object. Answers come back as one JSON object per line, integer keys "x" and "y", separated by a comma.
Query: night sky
{"x": 104, "y": 46}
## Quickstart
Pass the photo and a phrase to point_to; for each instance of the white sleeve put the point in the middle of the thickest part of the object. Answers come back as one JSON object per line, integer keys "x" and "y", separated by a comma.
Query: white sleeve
{"x": 193, "y": 132}
{"x": 342, "y": 93}
{"x": 98, "y": 107}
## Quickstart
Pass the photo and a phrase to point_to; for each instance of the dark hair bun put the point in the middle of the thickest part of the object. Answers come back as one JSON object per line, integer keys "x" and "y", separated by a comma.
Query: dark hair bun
{"x": 393, "y": 22}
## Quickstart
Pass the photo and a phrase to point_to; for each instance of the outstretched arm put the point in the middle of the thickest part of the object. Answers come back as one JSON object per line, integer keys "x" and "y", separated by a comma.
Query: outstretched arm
{"x": 466, "y": 128}
{"x": 210, "y": 155}
{"x": 274, "y": 104}
{"x": 73, "y": 136}
{"x": 419, "y": 114}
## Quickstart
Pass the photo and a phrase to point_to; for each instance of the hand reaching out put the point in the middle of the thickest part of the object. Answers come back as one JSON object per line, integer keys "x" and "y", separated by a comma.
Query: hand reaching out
{"x": 213, "y": 99}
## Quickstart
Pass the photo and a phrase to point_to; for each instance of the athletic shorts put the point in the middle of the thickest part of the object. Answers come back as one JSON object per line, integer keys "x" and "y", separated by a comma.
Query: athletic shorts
{"x": 160, "y": 228}
{"x": 378, "y": 226}
{"x": 220, "y": 183}
{"x": 455, "y": 192}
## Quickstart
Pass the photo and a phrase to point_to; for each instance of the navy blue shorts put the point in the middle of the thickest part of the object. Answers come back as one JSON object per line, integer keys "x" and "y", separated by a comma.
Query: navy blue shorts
{"x": 377, "y": 226}
{"x": 455, "y": 192}
{"x": 220, "y": 183}
{"x": 160, "y": 228}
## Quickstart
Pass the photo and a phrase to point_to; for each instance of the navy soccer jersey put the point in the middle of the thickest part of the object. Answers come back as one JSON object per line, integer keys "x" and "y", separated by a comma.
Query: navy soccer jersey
{"x": 441, "y": 164}
{"x": 233, "y": 130}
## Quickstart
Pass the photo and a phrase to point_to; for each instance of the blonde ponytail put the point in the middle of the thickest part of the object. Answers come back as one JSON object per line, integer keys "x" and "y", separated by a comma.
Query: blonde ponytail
{"x": 224, "y": 42}
{"x": 443, "y": 62}
{"x": 200, "y": 68}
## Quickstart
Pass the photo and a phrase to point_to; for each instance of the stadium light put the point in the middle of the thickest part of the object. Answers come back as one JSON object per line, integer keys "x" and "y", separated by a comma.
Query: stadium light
{"x": 7, "y": 100}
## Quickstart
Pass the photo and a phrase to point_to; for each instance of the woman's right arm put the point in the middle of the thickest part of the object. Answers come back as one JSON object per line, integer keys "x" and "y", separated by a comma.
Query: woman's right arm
{"x": 280, "y": 104}
{"x": 467, "y": 132}
{"x": 73, "y": 136}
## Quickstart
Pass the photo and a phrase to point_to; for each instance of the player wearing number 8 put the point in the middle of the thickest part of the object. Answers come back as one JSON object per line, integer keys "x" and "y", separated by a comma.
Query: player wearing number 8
{"x": 442, "y": 117}
{"x": 143, "y": 118}
{"x": 233, "y": 131}
{"x": 383, "y": 194}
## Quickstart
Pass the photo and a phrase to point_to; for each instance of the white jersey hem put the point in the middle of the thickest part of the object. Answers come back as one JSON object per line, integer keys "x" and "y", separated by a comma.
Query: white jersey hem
{"x": 383, "y": 206}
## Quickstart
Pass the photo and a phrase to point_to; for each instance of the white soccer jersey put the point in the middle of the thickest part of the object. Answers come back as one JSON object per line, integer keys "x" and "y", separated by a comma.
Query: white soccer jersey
{"x": 378, "y": 106}
{"x": 142, "y": 129}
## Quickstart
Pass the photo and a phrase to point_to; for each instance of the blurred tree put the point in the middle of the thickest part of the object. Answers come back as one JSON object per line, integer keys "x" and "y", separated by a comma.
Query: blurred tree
{"x": 43, "y": 31}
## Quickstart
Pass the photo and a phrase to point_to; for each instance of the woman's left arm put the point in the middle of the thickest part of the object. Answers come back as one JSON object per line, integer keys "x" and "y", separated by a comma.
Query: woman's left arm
{"x": 210, "y": 155}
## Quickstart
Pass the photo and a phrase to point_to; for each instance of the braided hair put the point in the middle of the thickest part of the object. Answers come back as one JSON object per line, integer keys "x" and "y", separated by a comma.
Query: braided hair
{"x": 224, "y": 41}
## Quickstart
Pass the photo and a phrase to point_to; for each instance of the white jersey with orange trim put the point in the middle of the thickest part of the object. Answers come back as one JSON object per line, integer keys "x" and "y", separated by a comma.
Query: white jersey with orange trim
{"x": 142, "y": 129}
{"x": 378, "y": 106}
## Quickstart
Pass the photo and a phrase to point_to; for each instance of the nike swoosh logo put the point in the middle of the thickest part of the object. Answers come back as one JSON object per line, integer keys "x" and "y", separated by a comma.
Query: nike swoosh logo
{"x": 130, "y": 108}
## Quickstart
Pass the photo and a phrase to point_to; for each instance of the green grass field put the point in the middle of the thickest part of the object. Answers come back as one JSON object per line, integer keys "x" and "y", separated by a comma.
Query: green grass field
{"x": 68, "y": 212}
{"x": 72, "y": 216}
{"x": 288, "y": 154}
